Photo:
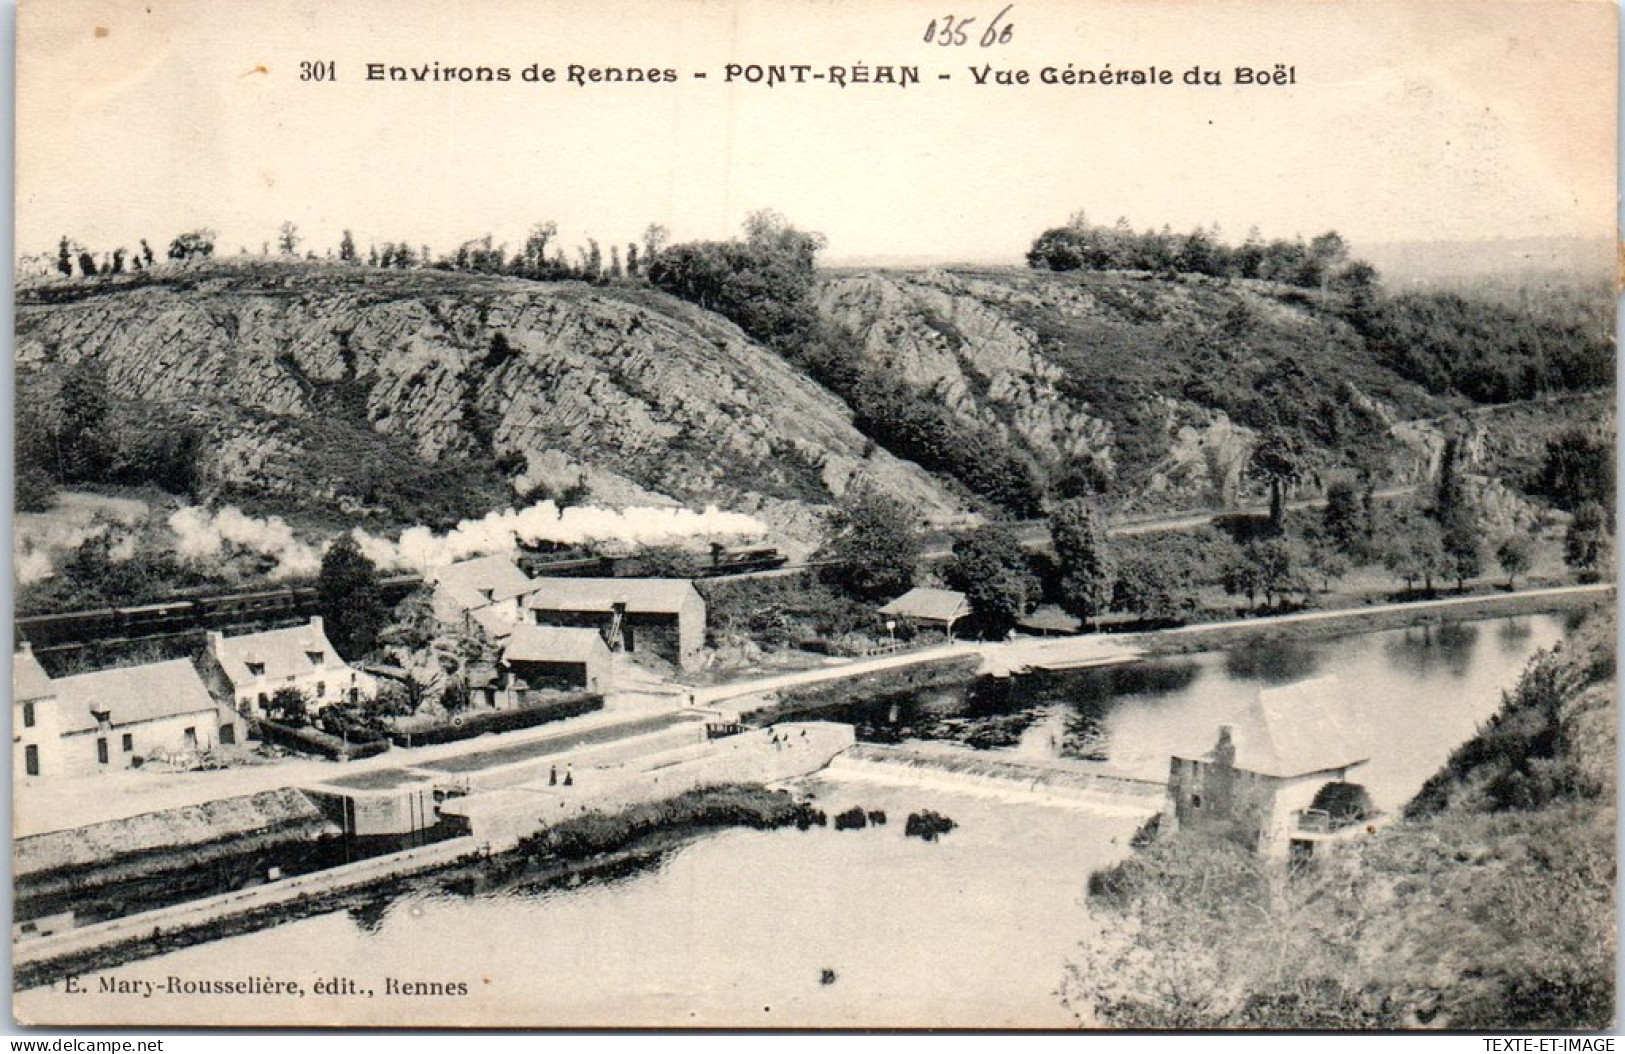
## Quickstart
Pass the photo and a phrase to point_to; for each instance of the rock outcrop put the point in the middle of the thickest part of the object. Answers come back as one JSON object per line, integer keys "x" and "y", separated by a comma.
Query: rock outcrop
{"x": 640, "y": 396}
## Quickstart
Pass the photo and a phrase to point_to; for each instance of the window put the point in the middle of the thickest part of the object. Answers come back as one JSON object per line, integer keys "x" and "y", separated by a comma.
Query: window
{"x": 317, "y": 658}
{"x": 321, "y": 689}
{"x": 31, "y": 759}
{"x": 255, "y": 669}
{"x": 129, "y": 742}
{"x": 101, "y": 751}
{"x": 264, "y": 699}
{"x": 28, "y": 715}
{"x": 1196, "y": 801}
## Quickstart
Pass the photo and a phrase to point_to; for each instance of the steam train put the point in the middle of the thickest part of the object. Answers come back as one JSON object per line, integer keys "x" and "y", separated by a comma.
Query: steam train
{"x": 193, "y": 614}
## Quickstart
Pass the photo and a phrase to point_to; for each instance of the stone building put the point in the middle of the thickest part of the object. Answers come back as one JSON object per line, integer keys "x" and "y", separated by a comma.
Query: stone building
{"x": 542, "y": 657}
{"x": 487, "y": 591}
{"x": 121, "y": 718}
{"x": 661, "y": 616}
{"x": 1272, "y": 772}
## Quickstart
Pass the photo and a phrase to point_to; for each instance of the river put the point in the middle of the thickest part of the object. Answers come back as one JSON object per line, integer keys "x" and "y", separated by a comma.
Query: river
{"x": 845, "y": 928}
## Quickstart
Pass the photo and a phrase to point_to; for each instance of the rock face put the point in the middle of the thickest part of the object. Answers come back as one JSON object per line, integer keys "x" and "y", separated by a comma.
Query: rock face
{"x": 641, "y": 396}
{"x": 1076, "y": 369}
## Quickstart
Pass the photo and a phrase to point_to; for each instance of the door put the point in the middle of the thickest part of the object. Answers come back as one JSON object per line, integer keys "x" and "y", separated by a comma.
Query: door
{"x": 191, "y": 738}
{"x": 31, "y": 759}
{"x": 228, "y": 735}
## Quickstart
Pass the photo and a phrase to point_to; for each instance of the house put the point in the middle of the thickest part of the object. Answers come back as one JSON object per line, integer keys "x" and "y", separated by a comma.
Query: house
{"x": 487, "y": 592}
{"x": 119, "y": 718}
{"x": 557, "y": 657}
{"x": 249, "y": 669}
{"x": 661, "y": 616}
{"x": 36, "y": 723}
{"x": 929, "y": 608}
{"x": 1276, "y": 780}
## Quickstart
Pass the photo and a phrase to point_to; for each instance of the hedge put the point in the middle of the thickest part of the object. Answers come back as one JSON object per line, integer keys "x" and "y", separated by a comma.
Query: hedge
{"x": 466, "y": 726}
{"x": 311, "y": 740}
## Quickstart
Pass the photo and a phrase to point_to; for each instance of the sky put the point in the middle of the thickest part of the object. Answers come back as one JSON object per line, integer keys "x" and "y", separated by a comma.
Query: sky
{"x": 1418, "y": 120}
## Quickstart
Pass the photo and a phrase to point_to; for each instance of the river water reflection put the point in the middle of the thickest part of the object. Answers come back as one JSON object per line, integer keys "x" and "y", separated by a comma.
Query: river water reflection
{"x": 827, "y": 928}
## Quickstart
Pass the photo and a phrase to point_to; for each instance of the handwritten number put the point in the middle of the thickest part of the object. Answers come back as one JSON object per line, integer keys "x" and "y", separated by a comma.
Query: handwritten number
{"x": 951, "y": 31}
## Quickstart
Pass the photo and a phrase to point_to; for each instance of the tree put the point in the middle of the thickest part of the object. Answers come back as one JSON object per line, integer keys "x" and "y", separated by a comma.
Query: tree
{"x": 288, "y": 706}
{"x": 1515, "y": 554}
{"x": 1415, "y": 552}
{"x": 989, "y": 566}
{"x": 1344, "y": 520}
{"x": 1587, "y": 547}
{"x": 1279, "y": 460}
{"x": 84, "y": 446}
{"x": 1078, "y": 533}
{"x": 87, "y": 265}
{"x": 654, "y": 239}
{"x": 1578, "y": 468}
{"x": 1153, "y": 585}
{"x": 192, "y": 245}
{"x": 875, "y": 544}
{"x": 64, "y": 257}
{"x": 347, "y": 247}
{"x": 287, "y": 238}
{"x": 535, "y": 251}
{"x": 146, "y": 253}
{"x": 348, "y": 597}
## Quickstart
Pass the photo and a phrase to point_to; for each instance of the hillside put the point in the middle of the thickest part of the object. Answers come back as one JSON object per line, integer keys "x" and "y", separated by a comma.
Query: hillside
{"x": 392, "y": 397}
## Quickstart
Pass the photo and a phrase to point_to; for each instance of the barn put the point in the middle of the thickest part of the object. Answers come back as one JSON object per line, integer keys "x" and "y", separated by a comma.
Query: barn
{"x": 659, "y": 616}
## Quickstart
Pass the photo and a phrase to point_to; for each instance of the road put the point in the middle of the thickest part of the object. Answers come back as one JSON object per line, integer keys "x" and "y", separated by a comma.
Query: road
{"x": 57, "y": 804}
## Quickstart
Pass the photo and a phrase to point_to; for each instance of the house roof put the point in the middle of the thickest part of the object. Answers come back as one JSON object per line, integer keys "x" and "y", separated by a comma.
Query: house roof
{"x": 282, "y": 653}
{"x": 132, "y": 694}
{"x": 29, "y": 679}
{"x": 650, "y": 596}
{"x": 1049, "y": 618}
{"x": 929, "y": 605}
{"x": 483, "y": 580}
{"x": 555, "y": 644}
{"x": 1296, "y": 730}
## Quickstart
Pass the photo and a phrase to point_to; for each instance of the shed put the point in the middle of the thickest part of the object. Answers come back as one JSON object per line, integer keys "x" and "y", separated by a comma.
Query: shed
{"x": 557, "y": 656}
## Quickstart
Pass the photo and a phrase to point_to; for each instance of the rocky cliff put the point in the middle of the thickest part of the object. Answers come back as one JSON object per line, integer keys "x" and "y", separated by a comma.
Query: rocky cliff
{"x": 1149, "y": 382}
{"x": 640, "y": 396}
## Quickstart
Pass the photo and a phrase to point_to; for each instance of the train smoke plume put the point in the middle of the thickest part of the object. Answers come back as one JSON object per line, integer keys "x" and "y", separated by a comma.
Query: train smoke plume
{"x": 421, "y": 549}
{"x": 202, "y": 535}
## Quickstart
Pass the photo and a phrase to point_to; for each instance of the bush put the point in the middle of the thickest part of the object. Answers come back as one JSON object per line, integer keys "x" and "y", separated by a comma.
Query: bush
{"x": 466, "y": 726}
{"x": 312, "y": 741}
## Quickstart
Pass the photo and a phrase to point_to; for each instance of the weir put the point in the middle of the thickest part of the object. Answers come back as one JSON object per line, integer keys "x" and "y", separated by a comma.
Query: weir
{"x": 1076, "y": 784}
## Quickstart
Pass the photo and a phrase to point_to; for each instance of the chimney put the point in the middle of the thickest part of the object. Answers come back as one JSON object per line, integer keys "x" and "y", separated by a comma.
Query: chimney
{"x": 25, "y": 648}
{"x": 316, "y": 624}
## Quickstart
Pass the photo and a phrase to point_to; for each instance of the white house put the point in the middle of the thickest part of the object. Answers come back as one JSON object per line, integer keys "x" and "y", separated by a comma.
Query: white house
{"x": 253, "y": 666}
{"x": 119, "y": 718}
{"x": 36, "y": 722}
{"x": 487, "y": 591}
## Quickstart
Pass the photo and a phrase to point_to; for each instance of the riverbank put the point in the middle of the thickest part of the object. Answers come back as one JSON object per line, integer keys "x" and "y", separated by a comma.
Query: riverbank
{"x": 583, "y": 845}
{"x": 1316, "y": 624}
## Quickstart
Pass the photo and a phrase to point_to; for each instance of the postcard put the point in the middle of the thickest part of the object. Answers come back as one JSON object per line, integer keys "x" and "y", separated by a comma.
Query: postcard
{"x": 769, "y": 514}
